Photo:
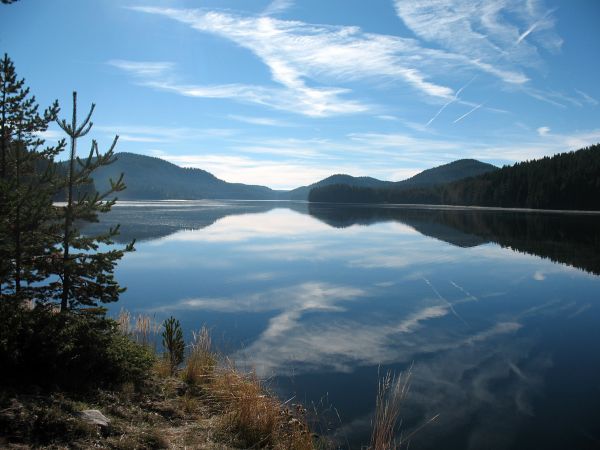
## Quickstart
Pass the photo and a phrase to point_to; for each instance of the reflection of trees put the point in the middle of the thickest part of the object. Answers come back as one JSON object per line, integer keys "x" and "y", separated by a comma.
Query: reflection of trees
{"x": 153, "y": 220}
{"x": 572, "y": 239}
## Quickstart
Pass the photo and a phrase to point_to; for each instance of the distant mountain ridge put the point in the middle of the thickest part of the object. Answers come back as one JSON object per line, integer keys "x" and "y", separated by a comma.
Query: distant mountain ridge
{"x": 565, "y": 181}
{"x": 151, "y": 178}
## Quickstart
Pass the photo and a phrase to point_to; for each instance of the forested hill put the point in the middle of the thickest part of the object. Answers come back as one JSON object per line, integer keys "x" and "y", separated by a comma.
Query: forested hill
{"x": 564, "y": 181}
{"x": 302, "y": 192}
{"x": 149, "y": 178}
{"x": 456, "y": 170}
{"x": 153, "y": 178}
{"x": 448, "y": 172}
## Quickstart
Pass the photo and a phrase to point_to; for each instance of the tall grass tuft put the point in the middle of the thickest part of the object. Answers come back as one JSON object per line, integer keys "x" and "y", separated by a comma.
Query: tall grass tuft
{"x": 201, "y": 361}
{"x": 124, "y": 321}
{"x": 391, "y": 393}
{"x": 142, "y": 329}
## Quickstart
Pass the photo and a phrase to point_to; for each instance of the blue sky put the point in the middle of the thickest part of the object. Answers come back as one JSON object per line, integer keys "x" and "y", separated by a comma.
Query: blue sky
{"x": 286, "y": 92}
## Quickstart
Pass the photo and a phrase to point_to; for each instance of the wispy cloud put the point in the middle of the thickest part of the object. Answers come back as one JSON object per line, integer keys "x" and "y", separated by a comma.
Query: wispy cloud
{"x": 588, "y": 98}
{"x": 306, "y": 59}
{"x": 263, "y": 121}
{"x": 297, "y": 52}
{"x": 312, "y": 102}
{"x": 278, "y": 7}
{"x": 143, "y": 68}
{"x": 493, "y": 33}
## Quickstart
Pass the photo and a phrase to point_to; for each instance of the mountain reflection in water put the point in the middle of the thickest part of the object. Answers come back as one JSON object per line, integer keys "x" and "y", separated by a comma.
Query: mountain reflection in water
{"x": 567, "y": 238}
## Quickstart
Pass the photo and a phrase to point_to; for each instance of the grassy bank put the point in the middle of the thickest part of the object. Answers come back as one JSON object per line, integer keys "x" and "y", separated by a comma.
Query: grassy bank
{"x": 56, "y": 366}
{"x": 50, "y": 377}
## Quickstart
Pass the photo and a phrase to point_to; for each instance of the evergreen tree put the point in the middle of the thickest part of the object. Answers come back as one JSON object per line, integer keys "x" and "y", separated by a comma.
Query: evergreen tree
{"x": 26, "y": 188}
{"x": 86, "y": 274}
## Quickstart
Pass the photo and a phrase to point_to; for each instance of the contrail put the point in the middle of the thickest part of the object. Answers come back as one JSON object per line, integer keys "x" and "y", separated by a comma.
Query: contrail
{"x": 469, "y": 112}
{"x": 446, "y": 302}
{"x": 468, "y": 294}
{"x": 534, "y": 26}
{"x": 527, "y": 32}
{"x": 450, "y": 102}
{"x": 521, "y": 37}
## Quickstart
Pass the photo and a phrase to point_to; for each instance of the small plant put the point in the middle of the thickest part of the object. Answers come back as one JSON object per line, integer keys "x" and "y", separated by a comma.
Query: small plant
{"x": 173, "y": 343}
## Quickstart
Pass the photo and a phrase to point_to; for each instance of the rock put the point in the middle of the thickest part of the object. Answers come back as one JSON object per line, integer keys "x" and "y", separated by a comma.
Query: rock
{"x": 95, "y": 417}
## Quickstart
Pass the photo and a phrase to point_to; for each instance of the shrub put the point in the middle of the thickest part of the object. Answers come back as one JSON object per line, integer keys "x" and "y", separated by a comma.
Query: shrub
{"x": 74, "y": 350}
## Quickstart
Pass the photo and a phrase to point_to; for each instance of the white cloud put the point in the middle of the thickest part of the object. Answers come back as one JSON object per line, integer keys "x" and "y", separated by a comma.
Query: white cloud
{"x": 143, "y": 68}
{"x": 242, "y": 169}
{"x": 543, "y": 131}
{"x": 539, "y": 275}
{"x": 51, "y": 135}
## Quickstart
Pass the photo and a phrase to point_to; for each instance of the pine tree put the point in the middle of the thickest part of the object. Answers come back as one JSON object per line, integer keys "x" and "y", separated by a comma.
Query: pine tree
{"x": 86, "y": 274}
{"x": 27, "y": 186}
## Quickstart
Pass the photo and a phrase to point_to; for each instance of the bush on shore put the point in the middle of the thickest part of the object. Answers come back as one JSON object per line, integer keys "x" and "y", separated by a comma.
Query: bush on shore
{"x": 73, "y": 350}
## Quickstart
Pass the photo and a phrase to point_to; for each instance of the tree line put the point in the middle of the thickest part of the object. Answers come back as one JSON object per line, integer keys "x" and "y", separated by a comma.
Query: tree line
{"x": 568, "y": 181}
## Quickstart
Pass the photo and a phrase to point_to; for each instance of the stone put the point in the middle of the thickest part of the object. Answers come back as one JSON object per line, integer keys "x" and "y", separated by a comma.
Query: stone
{"x": 95, "y": 417}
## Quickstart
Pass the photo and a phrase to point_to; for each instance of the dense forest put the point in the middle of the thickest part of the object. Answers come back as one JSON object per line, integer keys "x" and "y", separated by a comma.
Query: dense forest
{"x": 564, "y": 181}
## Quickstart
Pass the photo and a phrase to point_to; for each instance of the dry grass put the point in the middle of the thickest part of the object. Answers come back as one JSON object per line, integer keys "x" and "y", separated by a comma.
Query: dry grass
{"x": 255, "y": 416}
{"x": 246, "y": 414}
{"x": 390, "y": 395}
{"x": 162, "y": 368}
{"x": 142, "y": 329}
{"x": 201, "y": 361}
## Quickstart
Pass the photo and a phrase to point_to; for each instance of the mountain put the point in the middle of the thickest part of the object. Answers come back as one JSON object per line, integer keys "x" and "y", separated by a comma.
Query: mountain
{"x": 302, "y": 192}
{"x": 150, "y": 178}
{"x": 456, "y": 170}
{"x": 154, "y": 178}
{"x": 569, "y": 181}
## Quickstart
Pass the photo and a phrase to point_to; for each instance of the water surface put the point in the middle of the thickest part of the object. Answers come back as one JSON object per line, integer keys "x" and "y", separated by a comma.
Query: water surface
{"x": 497, "y": 312}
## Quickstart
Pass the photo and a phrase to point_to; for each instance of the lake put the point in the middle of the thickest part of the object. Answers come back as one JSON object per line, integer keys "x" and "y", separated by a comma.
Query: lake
{"x": 497, "y": 312}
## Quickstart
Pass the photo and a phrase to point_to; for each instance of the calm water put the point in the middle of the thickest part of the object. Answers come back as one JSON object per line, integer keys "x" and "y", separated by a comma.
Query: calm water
{"x": 497, "y": 312}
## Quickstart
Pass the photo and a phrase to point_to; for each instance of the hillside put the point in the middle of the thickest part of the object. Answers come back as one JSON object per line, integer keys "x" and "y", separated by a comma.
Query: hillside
{"x": 169, "y": 181}
{"x": 565, "y": 181}
{"x": 153, "y": 178}
{"x": 302, "y": 192}
{"x": 456, "y": 170}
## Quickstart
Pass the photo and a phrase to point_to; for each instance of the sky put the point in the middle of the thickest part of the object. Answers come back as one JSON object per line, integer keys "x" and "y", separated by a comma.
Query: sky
{"x": 283, "y": 93}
